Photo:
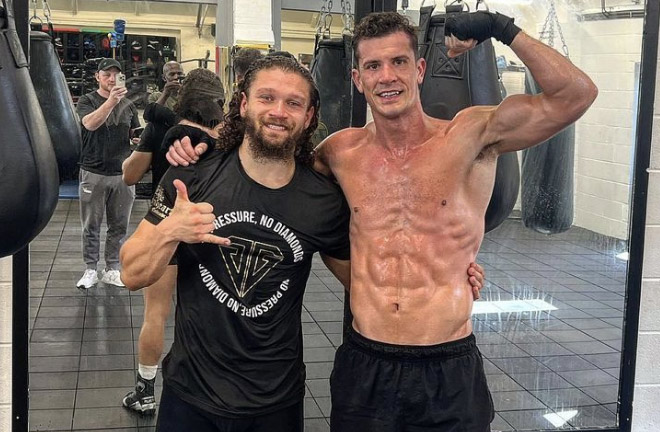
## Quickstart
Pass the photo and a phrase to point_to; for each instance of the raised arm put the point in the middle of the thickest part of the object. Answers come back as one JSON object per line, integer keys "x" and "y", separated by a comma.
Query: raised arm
{"x": 135, "y": 166}
{"x": 522, "y": 121}
{"x": 146, "y": 254}
{"x": 95, "y": 119}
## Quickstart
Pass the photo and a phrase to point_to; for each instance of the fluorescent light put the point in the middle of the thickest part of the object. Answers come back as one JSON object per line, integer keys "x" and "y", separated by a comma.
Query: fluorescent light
{"x": 623, "y": 256}
{"x": 532, "y": 305}
{"x": 560, "y": 418}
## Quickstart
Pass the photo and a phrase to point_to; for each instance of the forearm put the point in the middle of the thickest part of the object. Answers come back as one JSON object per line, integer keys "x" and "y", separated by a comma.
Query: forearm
{"x": 560, "y": 80}
{"x": 144, "y": 258}
{"x": 135, "y": 166}
{"x": 95, "y": 119}
{"x": 163, "y": 98}
{"x": 341, "y": 269}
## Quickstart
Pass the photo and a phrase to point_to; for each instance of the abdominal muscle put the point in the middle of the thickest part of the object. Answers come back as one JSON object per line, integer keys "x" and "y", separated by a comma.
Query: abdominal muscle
{"x": 412, "y": 289}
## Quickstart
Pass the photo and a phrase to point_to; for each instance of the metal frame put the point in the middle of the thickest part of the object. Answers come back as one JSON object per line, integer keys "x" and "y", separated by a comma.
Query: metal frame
{"x": 637, "y": 216}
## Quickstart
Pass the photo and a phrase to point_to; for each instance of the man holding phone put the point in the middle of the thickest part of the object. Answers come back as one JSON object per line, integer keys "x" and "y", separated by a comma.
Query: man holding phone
{"x": 107, "y": 118}
{"x": 172, "y": 75}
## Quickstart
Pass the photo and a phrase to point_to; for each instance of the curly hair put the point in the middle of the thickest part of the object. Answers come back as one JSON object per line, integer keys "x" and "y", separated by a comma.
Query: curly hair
{"x": 233, "y": 130}
{"x": 244, "y": 58}
{"x": 381, "y": 24}
{"x": 201, "y": 98}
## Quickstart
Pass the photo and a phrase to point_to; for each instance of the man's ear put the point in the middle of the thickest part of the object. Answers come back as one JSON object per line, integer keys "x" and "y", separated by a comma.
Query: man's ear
{"x": 243, "y": 106}
{"x": 356, "y": 79}
{"x": 421, "y": 70}
{"x": 97, "y": 76}
{"x": 308, "y": 116}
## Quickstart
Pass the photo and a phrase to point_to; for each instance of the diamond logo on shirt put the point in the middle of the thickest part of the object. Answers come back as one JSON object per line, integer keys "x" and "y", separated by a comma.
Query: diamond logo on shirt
{"x": 248, "y": 261}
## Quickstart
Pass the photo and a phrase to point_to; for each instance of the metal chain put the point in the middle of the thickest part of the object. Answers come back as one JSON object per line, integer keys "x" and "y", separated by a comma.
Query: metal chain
{"x": 548, "y": 31}
{"x": 347, "y": 18}
{"x": 325, "y": 20}
{"x": 47, "y": 12}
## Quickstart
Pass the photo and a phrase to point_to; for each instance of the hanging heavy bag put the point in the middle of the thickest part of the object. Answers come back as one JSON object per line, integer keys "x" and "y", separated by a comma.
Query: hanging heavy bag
{"x": 547, "y": 179}
{"x": 27, "y": 160}
{"x": 547, "y": 169}
{"x": 56, "y": 104}
{"x": 452, "y": 84}
{"x": 331, "y": 71}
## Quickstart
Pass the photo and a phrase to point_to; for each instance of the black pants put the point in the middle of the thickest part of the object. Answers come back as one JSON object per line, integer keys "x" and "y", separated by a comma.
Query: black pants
{"x": 177, "y": 415}
{"x": 379, "y": 387}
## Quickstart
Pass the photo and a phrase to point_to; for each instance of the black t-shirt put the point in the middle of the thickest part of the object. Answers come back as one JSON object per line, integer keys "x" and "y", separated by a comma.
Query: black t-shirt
{"x": 160, "y": 119}
{"x": 104, "y": 149}
{"x": 238, "y": 339}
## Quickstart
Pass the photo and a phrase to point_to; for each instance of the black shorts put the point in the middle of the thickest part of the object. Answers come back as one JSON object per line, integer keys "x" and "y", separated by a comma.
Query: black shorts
{"x": 177, "y": 415}
{"x": 397, "y": 388}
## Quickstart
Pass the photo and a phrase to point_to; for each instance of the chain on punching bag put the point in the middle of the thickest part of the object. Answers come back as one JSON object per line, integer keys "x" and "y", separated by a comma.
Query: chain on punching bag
{"x": 547, "y": 169}
{"x": 28, "y": 193}
{"x": 453, "y": 84}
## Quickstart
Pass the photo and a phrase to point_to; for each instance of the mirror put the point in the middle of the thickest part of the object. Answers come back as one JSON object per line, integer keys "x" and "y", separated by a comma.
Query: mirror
{"x": 550, "y": 318}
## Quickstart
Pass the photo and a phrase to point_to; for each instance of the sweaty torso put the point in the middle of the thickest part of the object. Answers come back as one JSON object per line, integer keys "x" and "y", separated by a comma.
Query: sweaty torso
{"x": 417, "y": 221}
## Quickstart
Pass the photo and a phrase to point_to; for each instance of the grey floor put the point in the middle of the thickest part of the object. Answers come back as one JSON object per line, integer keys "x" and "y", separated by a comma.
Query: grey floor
{"x": 83, "y": 344}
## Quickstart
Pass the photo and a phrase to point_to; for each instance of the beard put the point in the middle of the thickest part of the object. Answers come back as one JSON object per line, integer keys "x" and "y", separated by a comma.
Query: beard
{"x": 269, "y": 150}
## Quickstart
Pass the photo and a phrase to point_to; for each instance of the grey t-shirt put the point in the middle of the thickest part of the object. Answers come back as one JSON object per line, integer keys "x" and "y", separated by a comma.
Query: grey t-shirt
{"x": 105, "y": 148}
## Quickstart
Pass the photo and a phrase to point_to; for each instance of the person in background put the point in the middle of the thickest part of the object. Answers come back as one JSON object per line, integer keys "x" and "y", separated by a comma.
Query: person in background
{"x": 158, "y": 296}
{"x": 242, "y": 61}
{"x": 172, "y": 75}
{"x": 108, "y": 119}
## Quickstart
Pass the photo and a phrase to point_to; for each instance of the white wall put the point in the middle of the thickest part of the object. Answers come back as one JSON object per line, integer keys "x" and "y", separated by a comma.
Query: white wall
{"x": 608, "y": 52}
{"x": 5, "y": 344}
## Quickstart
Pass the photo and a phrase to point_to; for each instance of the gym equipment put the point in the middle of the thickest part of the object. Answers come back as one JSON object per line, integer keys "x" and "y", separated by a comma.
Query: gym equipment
{"x": 547, "y": 169}
{"x": 56, "y": 104}
{"x": 27, "y": 160}
{"x": 452, "y": 84}
{"x": 331, "y": 71}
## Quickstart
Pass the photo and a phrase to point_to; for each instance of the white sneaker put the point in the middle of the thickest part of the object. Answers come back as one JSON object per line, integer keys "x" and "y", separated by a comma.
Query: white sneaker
{"x": 112, "y": 277}
{"x": 88, "y": 279}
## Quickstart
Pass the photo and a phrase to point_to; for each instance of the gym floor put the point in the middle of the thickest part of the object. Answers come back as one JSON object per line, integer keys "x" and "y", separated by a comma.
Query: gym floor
{"x": 546, "y": 368}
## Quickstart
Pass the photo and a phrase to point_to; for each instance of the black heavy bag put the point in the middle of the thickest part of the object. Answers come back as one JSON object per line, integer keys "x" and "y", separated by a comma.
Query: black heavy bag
{"x": 452, "y": 84}
{"x": 56, "y": 104}
{"x": 547, "y": 179}
{"x": 28, "y": 169}
{"x": 331, "y": 70}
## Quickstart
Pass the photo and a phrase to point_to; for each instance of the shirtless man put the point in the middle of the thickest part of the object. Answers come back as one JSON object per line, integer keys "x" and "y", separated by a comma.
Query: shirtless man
{"x": 418, "y": 189}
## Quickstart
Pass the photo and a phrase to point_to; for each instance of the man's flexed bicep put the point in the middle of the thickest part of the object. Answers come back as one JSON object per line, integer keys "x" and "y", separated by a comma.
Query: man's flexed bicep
{"x": 522, "y": 121}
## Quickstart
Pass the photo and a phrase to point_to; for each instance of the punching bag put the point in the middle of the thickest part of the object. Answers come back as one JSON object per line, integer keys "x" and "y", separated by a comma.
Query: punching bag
{"x": 331, "y": 70}
{"x": 547, "y": 179}
{"x": 27, "y": 161}
{"x": 56, "y": 104}
{"x": 452, "y": 84}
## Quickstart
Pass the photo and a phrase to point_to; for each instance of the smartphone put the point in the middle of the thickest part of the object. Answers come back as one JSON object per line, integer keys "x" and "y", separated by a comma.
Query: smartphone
{"x": 120, "y": 80}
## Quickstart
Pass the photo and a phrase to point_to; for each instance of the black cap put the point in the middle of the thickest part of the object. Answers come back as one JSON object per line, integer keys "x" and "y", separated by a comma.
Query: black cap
{"x": 108, "y": 63}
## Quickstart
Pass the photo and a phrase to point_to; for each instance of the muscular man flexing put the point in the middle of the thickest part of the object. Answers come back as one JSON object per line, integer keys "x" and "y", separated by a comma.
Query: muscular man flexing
{"x": 418, "y": 189}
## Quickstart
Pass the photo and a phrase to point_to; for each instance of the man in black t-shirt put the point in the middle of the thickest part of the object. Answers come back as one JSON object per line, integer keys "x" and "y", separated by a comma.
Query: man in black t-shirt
{"x": 200, "y": 84}
{"x": 107, "y": 118}
{"x": 243, "y": 225}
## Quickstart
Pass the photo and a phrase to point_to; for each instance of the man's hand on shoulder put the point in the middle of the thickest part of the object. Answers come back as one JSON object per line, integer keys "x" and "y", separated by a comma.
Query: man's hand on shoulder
{"x": 182, "y": 152}
{"x": 190, "y": 222}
